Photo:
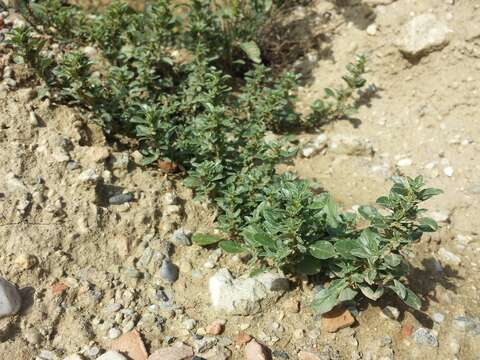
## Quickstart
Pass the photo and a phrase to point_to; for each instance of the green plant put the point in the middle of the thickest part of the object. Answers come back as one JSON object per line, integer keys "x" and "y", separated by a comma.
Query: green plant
{"x": 198, "y": 113}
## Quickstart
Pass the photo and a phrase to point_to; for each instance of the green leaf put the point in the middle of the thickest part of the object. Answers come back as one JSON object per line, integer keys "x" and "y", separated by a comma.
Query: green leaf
{"x": 393, "y": 260}
{"x": 205, "y": 240}
{"x": 252, "y": 50}
{"x": 399, "y": 289}
{"x": 369, "y": 213}
{"x": 428, "y": 224}
{"x": 426, "y": 194}
{"x": 309, "y": 266}
{"x": 370, "y": 293}
{"x": 258, "y": 237}
{"x": 344, "y": 247}
{"x": 230, "y": 246}
{"x": 322, "y": 250}
{"x": 347, "y": 294}
{"x": 406, "y": 295}
{"x": 327, "y": 298}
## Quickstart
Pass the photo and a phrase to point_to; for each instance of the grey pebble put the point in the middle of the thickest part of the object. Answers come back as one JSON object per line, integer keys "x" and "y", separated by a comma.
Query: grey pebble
{"x": 438, "y": 317}
{"x": 424, "y": 337}
{"x": 10, "y": 300}
{"x": 180, "y": 237}
{"x": 169, "y": 271}
{"x": 120, "y": 199}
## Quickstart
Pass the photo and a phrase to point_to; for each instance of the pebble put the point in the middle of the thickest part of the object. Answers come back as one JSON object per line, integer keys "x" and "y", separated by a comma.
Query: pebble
{"x": 449, "y": 257}
{"x": 216, "y": 327}
{"x": 112, "y": 355}
{"x": 337, "y": 319}
{"x": 244, "y": 296}
{"x": 372, "y": 29}
{"x": 391, "y": 312}
{"x": 169, "y": 271}
{"x": 422, "y": 34}
{"x": 424, "y": 337}
{"x": 404, "y": 162}
{"x": 120, "y": 199}
{"x": 114, "y": 333}
{"x": 315, "y": 146}
{"x": 242, "y": 339}
{"x": 89, "y": 175}
{"x": 307, "y": 355}
{"x": 464, "y": 323}
{"x": 10, "y": 300}
{"x": 448, "y": 171}
{"x": 189, "y": 324}
{"x": 180, "y": 237}
{"x": 131, "y": 345}
{"x": 178, "y": 351}
{"x": 438, "y": 317}
{"x": 256, "y": 351}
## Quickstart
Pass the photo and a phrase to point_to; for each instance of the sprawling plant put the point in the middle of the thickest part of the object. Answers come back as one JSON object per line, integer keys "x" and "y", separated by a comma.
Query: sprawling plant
{"x": 188, "y": 83}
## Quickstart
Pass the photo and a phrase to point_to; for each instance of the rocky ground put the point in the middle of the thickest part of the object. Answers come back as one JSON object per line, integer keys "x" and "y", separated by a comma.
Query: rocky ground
{"x": 100, "y": 249}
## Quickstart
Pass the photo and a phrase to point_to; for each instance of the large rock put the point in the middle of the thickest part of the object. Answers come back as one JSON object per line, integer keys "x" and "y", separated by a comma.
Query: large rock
{"x": 422, "y": 34}
{"x": 10, "y": 300}
{"x": 245, "y": 296}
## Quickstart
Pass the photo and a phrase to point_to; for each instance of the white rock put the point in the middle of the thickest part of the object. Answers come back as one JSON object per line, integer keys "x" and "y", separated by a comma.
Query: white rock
{"x": 438, "y": 317}
{"x": 350, "y": 145}
{"x": 112, "y": 355}
{"x": 448, "y": 171}
{"x": 423, "y": 34}
{"x": 89, "y": 175}
{"x": 10, "y": 300}
{"x": 449, "y": 257}
{"x": 114, "y": 333}
{"x": 372, "y": 29}
{"x": 440, "y": 216}
{"x": 243, "y": 296}
{"x": 315, "y": 146}
{"x": 404, "y": 162}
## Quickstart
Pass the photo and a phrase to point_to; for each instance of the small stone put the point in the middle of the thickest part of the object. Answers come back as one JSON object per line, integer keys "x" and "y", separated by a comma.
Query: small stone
{"x": 449, "y": 257}
{"x": 464, "y": 323}
{"x": 131, "y": 345}
{"x": 216, "y": 327}
{"x": 404, "y": 162}
{"x": 256, "y": 351}
{"x": 58, "y": 288}
{"x": 350, "y": 145}
{"x": 26, "y": 261}
{"x": 121, "y": 199}
{"x": 440, "y": 216}
{"x": 112, "y": 355}
{"x": 315, "y": 146}
{"x": 181, "y": 238}
{"x": 280, "y": 354}
{"x": 424, "y": 337}
{"x": 242, "y": 339}
{"x": 407, "y": 330}
{"x": 337, "y": 319}
{"x": 448, "y": 171}
{"x": 89, "y": 175}
{"x": 422, "y": 34}
{"x": 438, "y": 317}
{"x": 189, "y": 324}
{"x": 372, "y": 29}
{"x": 169, "y": 271}
{"x": 114, "y": 333}
{"x": 391, "y": 312}
{"x": 175, "y": 352}
{"x": 10, "y": 300}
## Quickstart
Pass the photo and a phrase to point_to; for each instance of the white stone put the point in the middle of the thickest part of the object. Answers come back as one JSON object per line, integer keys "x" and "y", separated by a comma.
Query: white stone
{"x": 449, "y": 257}
{"x": 88, "y": 175}
{"x": 350, "y": 145}
{"x": 438, "y": 317}
{"x": 372, "y": 29}
{"x": 448, "y": 171}
{"x": 404, "y": 162}
{"x": 315, "y": 146}
{"x": 10, "y": 300}
{"x": 243, "y": 296}
{"x": 112, "y": 355}
{"x": 440, "y": 216}
{"x": 422, "y": 34}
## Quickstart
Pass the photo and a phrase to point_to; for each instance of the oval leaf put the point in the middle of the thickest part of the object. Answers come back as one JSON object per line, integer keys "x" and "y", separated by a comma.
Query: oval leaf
{"x": 308, "y": 266}
{"x": 252, "y": 50}
{"x": 322, "y": 250}
{"x": 231, "y": 247}
{"x": 205, "y": 240}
